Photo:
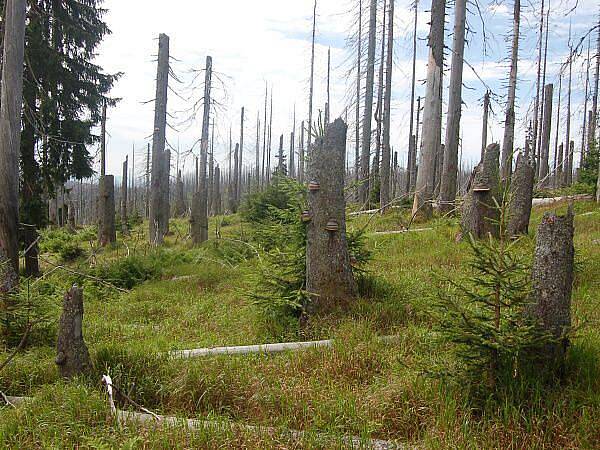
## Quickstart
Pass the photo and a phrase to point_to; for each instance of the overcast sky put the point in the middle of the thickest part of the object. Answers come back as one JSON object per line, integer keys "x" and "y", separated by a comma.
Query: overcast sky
{"x": 268, "y": 41}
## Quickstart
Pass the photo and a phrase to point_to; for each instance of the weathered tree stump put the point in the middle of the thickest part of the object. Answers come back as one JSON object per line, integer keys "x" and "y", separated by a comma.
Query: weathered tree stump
{"x": 72, "y": 355}
{"x": 480, "y": 212}
{"x": 521, "y": 196}
{"x": 329, "y": 277}
{"x": 106, "y": 210}
{"x": 180, "y": 208}
{"x": 552, "y": 278}
{"x": 199, "y": 219}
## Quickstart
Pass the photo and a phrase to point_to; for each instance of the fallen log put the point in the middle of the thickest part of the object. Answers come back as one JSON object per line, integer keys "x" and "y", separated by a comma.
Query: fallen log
{"x": 260, "y": 348}
{"x": 415, "y": 230}
{"x": 552, "y": 200}
{"x": 149, "y": 418}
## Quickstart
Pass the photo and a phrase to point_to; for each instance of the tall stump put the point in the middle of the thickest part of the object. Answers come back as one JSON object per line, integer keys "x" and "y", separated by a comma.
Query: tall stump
{"x": 521, "y": 196}
{"x": 72, "y": 355}
{"x": 480, "y": 213}
{"x": 552, "y": 278}
{"x": 106, "y": 210}
{"x": 199, "y": 219}
{"x": 329, "y": 277}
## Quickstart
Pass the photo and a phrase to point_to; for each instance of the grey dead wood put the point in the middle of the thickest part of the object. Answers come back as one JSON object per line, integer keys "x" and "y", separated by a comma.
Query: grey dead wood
{"x": 552, "y": 278}
{"x": 521, "y": 196}
{"x": 180, "y": 208}
{"x": 157, "y": 227}
{"x": 449, "y": 173}
{"x": 509, "y": 122}
{"x": 329, "y": 276}
{"x": 106, "y": 210}
{"x": 432, "y": 113}
{"x": 480, "y": 212}
{"x": 544, "y": 150}
{"x": 124, "y": 186}
{"x": 72, "y": 356}
{"x": 368, "y": 109}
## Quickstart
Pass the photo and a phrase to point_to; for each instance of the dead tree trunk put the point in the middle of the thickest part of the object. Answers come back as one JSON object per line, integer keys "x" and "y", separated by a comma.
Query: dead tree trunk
{"x": 384, "y": 190}
{"x": 10, "y": 137}
{"x": 217, "y": 191}
{"x": 480, "y": 213}
{"x": 358, "y": 85}
{"x": 329, "y": 276}
{"x": 552, "y": 278}
{"x": 148, "y": 158}
{"x": 538, "y": 87}
{"x": 368, "y": 111}
{"x": 106, "y": 210}
{"x": 432, "y": 114}
{"x": 412, "y": 150}
{"x": 180, "y": 208}
{"x": 509, "y": 124}
{"x": 301, "y": 157}
{"x": 484, "y": 131}
{"x": 450, "y": 165}
{"x": 124, "y": 228}
{"x": 238, "y": 194}
{"x": 165, "y": 187}
{"x": 568, "y": 157}
{"x": 544, "y": 150}
{"x": 521, "y": 196}
{"x": 199, "y": 218}
{"x": 375, "y": 181}
{"x": 312, "y": 82}
{"x": 557, "y": 167}
{"x": 593, "y": 126}
{"x": 232, "y": 194}
{"x": 257, "y": 156}
{"x": 291, "y": 169}
{"x": 157, "y": 227}
{"x": 72, "y": 356}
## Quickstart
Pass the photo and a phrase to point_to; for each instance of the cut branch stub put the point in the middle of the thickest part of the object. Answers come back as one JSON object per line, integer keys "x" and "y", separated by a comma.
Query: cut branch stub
{"x": 552, "y": 278}
{"x": 480, "y": 212}
{"x": 329, "y": 276}
{"x": 72, "y": 356}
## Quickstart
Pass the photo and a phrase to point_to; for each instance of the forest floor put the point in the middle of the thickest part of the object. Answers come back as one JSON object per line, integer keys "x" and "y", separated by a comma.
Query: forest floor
{"x": 360, "y": 387}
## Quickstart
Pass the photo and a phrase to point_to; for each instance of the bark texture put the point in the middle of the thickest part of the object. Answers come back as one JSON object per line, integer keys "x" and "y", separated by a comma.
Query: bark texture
{"x": 157, "y": 226}
{"x": 180, "y": 208}
{"x": 384, "y": 190}
{"x": 198, "y": 220}
{"x": 544, "y": 151}
{"x": 450, "y": 165}
{"x": 480, "y": 213}
{"x": 432, "y": 113}
{"x": 72, "y": 356}
{"x": 552, "y": 277}
{"x": 368, "y": 110}
{"x": 10, "y": 128}
{"x": 106, "y": 210}
{"x": 509, "y": 124}
{"x": 521, "y": 196}
{"x": 329, "y": 276}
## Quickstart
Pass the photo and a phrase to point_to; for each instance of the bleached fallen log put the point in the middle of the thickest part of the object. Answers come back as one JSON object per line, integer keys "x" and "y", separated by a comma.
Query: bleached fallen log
{"x": 149, "y": 418}
{"x": 370, "y": 211}
{"x": 261, "y": 348}
{"x": 14, "y": 401}
{"x": 551, "y": 200}
{"x": 414, "y": 230}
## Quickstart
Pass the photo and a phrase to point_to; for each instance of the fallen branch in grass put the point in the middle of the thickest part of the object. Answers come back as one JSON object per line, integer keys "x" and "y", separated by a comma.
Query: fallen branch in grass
{"x": 18, "y": 347}
{"x": 261, "y": 348}
{"x": 150, "y": 418}
{"x": 414, "y": 230}
{"x": 14, "y": 401}
{"x": 552, "y": 200}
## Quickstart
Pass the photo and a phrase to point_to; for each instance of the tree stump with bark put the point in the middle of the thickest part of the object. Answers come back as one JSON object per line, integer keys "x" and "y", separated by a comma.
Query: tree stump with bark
{"x": 552, "y": 278}
{"x": 72, "y": 356}
{"x": 329, "y": 277}
{"x": 521, "y": 196}
{"x": 107, "y": 233}
{"x": 480, "y": 213}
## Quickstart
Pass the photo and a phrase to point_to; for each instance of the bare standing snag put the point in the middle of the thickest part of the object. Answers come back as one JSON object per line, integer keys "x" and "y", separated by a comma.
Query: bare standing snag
{"x": 329, "y": 275}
